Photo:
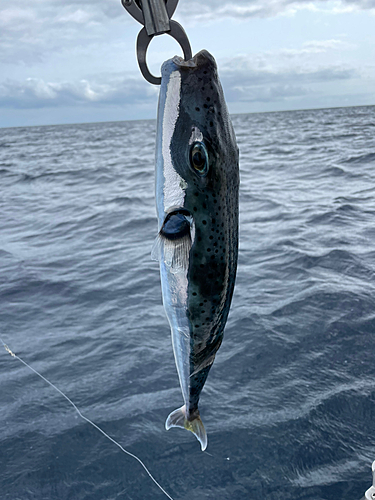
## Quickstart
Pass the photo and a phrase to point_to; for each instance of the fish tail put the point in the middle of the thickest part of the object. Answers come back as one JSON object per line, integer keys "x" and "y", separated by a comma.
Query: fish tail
{"x": 178, "y": 418}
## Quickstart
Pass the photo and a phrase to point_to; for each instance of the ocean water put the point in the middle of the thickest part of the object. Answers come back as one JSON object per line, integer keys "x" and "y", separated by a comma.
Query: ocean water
{"x": 289, "y": 405}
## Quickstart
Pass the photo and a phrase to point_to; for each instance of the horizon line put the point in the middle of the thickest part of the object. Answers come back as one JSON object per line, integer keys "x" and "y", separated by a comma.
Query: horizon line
{"x": 153, "y": 119}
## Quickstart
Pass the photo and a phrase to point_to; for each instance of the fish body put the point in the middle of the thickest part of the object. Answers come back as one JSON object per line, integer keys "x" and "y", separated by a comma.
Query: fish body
{"x": 197, "y": 182}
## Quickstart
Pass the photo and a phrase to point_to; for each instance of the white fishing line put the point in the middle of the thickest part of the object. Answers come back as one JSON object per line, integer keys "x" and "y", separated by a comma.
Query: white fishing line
{"x": 86, "y": 419}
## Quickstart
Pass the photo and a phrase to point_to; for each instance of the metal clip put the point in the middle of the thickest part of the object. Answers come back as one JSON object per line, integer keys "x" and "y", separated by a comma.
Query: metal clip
{"x": 155, "y": 15}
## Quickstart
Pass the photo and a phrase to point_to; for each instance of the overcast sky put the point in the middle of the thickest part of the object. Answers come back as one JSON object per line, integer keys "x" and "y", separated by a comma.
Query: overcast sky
{"x": 70, "y": 61}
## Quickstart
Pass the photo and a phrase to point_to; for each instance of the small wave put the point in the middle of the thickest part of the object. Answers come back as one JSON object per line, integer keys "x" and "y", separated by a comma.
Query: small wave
{"x": 25, "y": 177}
{"x": 334, "y": 258}
{"x": 344, "y": 136}
{"x": 327, "y": 218}
{"x": 339, "y": 262}
{"x": 347, "y": 208}
{"x": 4, "y": 254}
{"x": 361, "y": 159}
{"x": 326, "y": 474}
{"x": 279, "y": 151}
{"x": 126, "y": 201}
{"x": 343, "y": 200}
{"x": 347, "y": 213}
{"x": 335, "y": 171}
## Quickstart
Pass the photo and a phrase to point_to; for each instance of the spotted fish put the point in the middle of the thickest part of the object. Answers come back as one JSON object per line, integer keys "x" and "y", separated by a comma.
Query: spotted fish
{"x": 197, "y": 181}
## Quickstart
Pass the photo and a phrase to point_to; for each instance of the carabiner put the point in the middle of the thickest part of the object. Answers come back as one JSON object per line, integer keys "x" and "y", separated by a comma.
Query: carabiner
{"x": 155, "y": 15}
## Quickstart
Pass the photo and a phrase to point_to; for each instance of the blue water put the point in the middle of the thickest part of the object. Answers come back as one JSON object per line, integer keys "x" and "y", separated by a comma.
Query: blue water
{"x": 289, "y": 405}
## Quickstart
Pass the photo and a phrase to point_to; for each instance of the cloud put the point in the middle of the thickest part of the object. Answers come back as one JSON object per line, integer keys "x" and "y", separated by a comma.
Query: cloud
{"x": 31, "y": 31}
{"x": 243, "y": 9}
{"x": 303, "y": 62}
{"x": 36, "y": 93}
{"x": 266, "y": 85}
{"x": 283, "y": 74}
{"x": 242, "y": 82}
{"x": 238, "y": 9}
{"x": 257, "y": 77}
{"x": 55, "y": 10}
{"x": 282, "y": 55}
{"x": 265, "y": 93}
{"x": 263, "y": 76}
{"x": 323, "y": 45}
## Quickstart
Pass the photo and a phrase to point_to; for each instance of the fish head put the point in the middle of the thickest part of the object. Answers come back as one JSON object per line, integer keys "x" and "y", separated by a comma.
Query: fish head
{"x": 196, "y": 148}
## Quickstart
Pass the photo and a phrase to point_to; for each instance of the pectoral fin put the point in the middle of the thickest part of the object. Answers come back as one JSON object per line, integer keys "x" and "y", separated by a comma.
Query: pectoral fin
{"x": 173, "y": 243}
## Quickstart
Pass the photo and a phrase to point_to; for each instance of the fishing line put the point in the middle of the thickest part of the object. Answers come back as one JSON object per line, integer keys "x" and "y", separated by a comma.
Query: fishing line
{"x": 86, "y": 419}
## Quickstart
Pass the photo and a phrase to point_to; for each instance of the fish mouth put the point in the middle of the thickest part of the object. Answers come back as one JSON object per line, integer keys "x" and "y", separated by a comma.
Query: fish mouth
{"x": 202, "y": 58}
{"x": 202, "y": 61}
{"x": 174, "y": 241}
{"x": 177, "y": 223}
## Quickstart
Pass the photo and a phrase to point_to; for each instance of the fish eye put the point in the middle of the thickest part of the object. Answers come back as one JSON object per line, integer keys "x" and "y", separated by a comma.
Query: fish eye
{"x": 199, "y": 158}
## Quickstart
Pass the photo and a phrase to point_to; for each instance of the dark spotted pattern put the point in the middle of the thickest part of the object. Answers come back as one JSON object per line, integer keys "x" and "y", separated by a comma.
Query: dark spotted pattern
{"x": 213, "y": 202}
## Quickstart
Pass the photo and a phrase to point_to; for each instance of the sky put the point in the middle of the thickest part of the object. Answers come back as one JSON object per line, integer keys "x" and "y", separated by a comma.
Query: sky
{"x": 73, "y": 61}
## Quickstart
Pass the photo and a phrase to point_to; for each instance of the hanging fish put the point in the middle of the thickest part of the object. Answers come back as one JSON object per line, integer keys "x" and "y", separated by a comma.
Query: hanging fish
{"x": 197, "y": 181}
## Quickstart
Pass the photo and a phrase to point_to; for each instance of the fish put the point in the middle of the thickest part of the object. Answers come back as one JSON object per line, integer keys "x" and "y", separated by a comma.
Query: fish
{"x": 196, "y": 188}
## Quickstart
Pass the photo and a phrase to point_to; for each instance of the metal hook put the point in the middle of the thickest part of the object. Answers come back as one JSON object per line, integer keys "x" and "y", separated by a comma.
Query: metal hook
{"x": 156, "y": 15}
{"x": 143, "y": 41}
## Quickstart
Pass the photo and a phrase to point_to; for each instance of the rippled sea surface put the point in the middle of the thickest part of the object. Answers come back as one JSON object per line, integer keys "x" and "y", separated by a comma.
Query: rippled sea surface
{"x": 289, "y": 405}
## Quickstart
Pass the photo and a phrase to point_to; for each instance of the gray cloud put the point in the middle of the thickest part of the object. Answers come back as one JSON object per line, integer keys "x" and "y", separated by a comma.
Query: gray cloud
{"x": 242, "y": 9}
{"x": 362, "y": 4}
{"x": 32, "y": 30}
{"x": 37, "y": 93}
{"x": 266, "y": 93}
{"x": 234, "y": 74}
{"x": 269, "y": 78}
{"x": 284, "y": 73}
{"x": 241, "y": 83}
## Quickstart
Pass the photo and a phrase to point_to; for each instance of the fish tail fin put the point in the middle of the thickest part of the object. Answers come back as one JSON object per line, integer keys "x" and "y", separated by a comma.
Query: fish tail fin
{"x": 178, "y": 419}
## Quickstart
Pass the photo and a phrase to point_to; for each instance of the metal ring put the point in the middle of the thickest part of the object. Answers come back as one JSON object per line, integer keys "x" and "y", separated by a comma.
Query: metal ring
{"x": 143, "y": 41}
